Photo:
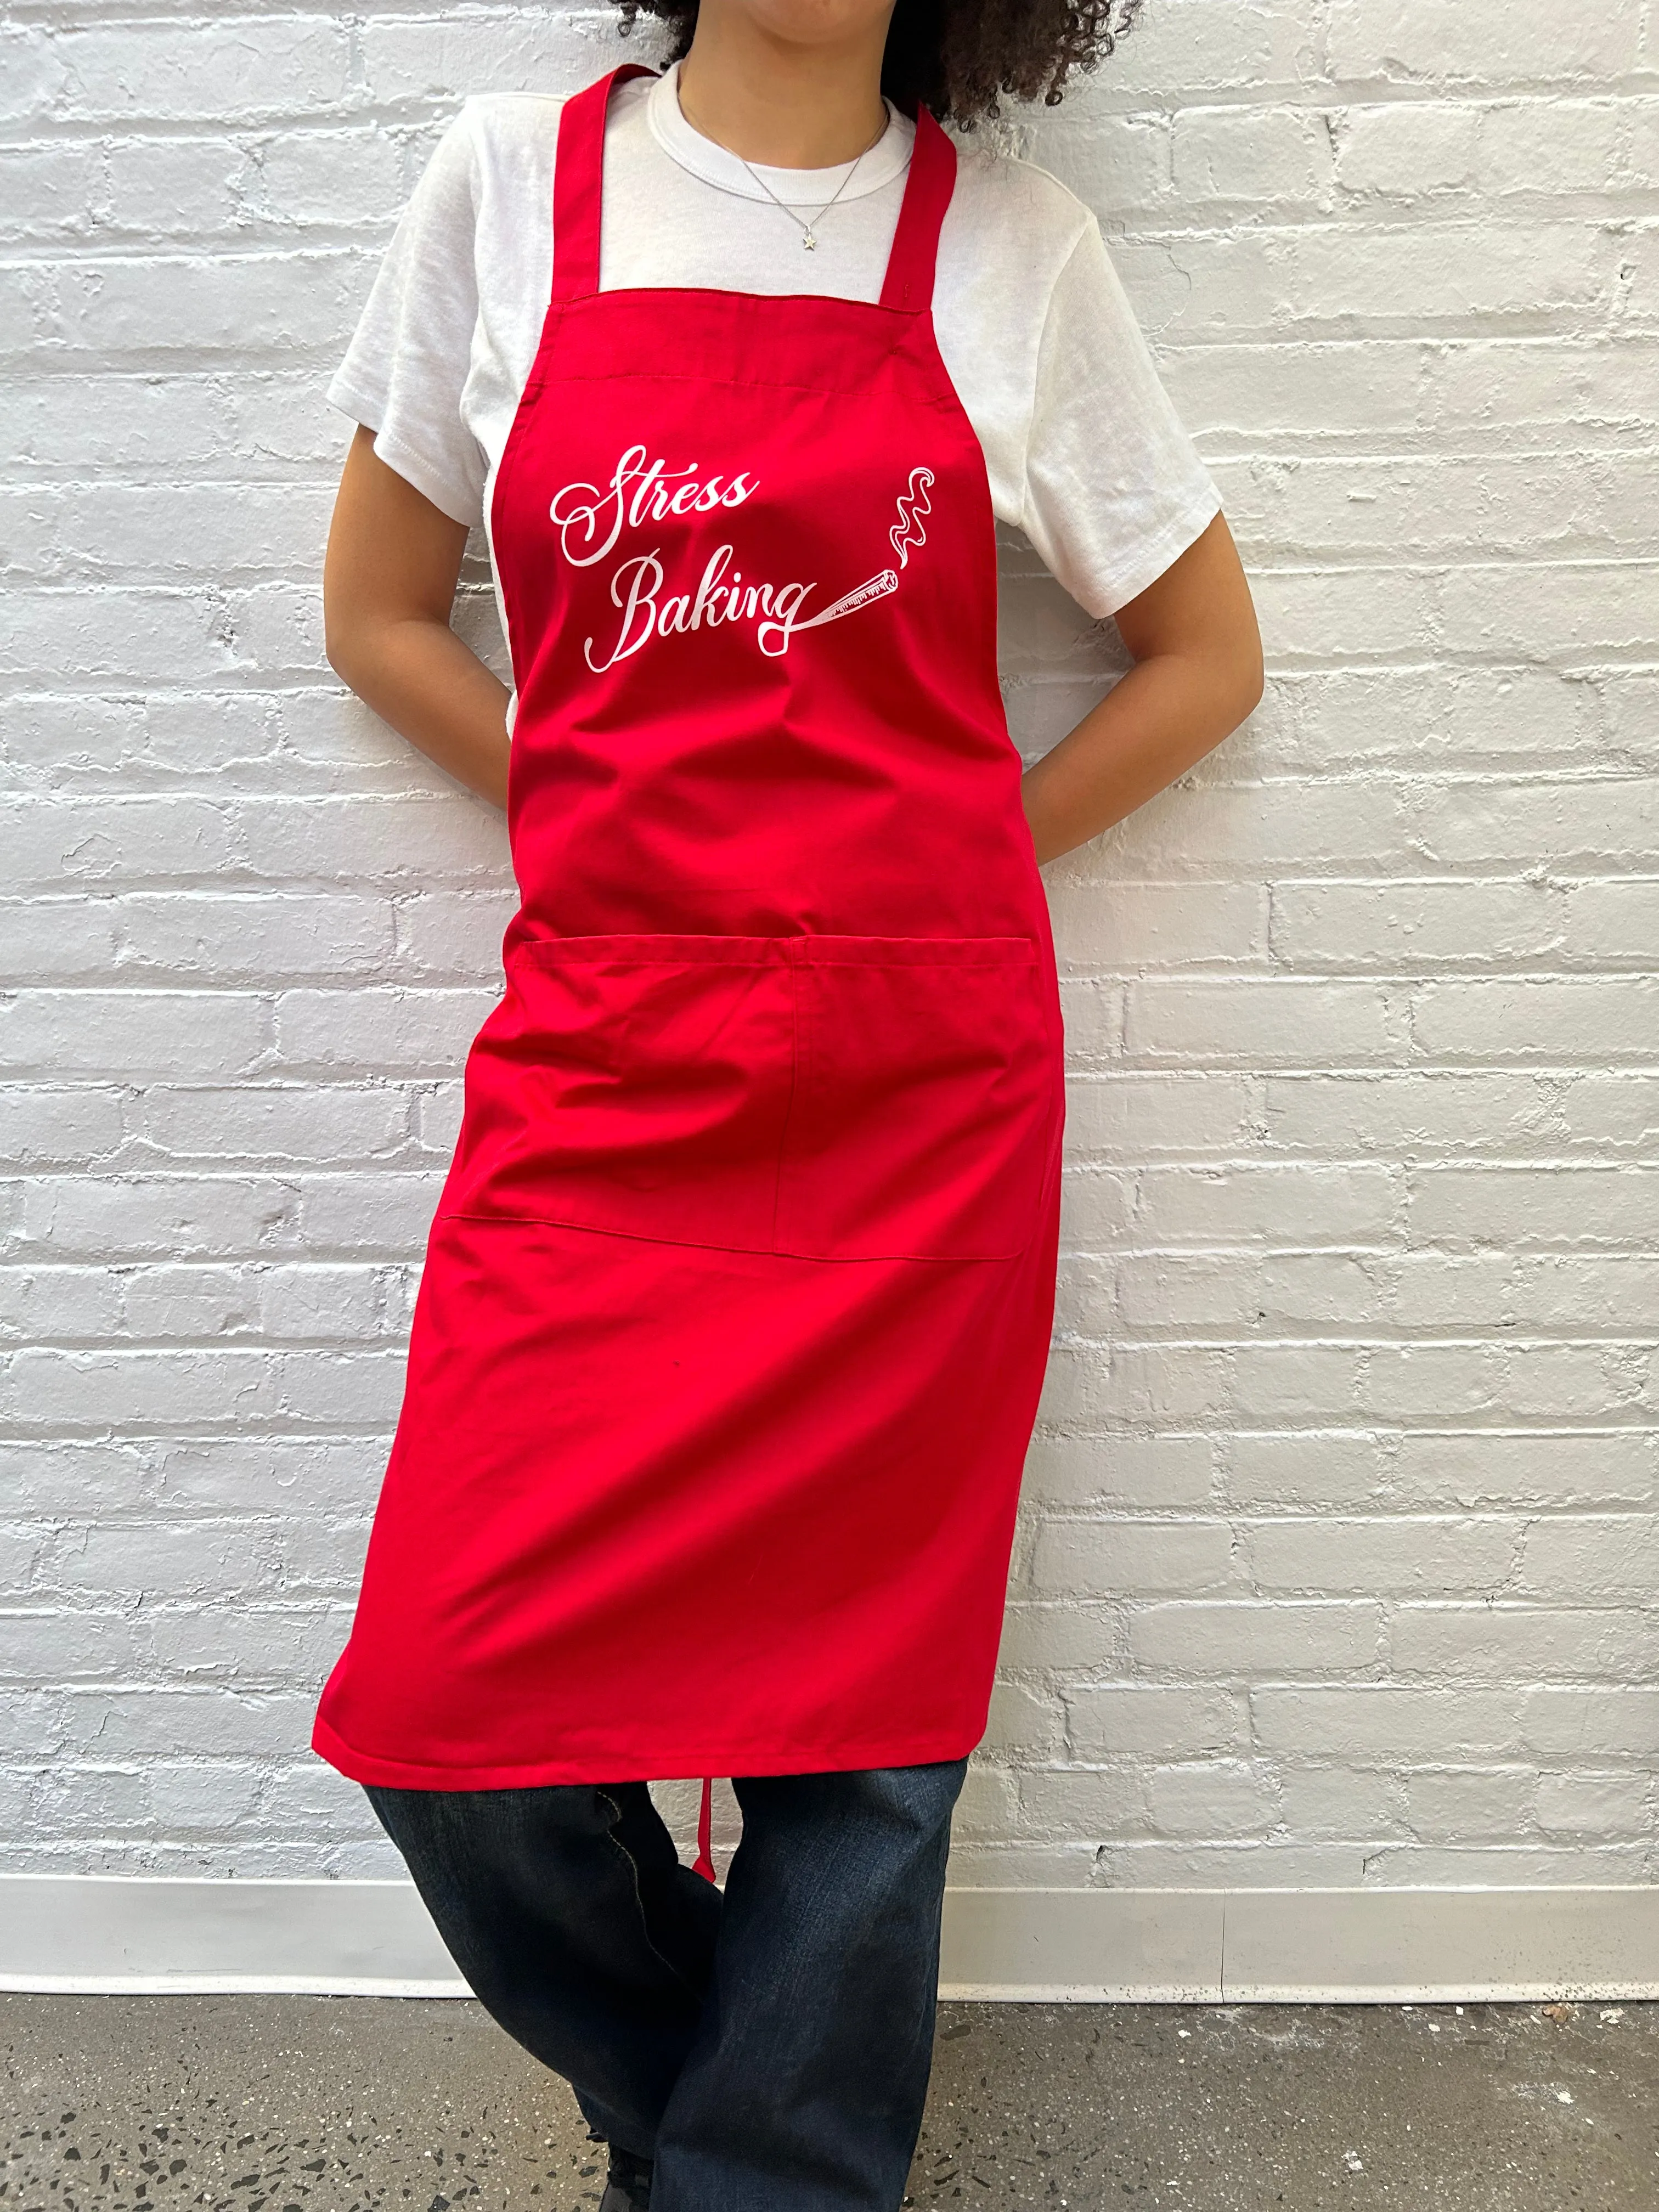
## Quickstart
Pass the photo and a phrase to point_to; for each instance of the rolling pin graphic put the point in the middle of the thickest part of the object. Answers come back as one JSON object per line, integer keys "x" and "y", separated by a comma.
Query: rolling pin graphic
{"x": 912, "y": 503}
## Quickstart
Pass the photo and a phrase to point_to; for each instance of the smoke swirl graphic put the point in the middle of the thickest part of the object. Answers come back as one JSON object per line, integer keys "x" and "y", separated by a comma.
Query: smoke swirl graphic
{"x": 911, "y": 506}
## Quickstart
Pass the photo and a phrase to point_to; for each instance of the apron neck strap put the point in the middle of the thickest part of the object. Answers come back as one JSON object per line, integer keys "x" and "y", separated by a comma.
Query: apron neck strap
{"x": 578, "y": 184}
{"x": 927, "y": 189}
{"x": 578, "y": 193}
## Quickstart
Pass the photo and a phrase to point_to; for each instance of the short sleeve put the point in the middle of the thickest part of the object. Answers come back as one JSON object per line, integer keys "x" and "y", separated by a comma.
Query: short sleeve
{"x": 1115, "y": 488}
{"x": 408, "y": 360}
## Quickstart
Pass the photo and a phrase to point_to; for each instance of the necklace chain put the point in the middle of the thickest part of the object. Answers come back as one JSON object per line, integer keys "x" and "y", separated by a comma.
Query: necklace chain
{"x": 808, "y": 228}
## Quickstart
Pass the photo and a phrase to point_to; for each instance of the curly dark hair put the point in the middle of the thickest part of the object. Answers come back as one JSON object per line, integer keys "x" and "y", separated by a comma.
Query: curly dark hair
{"x": 958, "y": 56}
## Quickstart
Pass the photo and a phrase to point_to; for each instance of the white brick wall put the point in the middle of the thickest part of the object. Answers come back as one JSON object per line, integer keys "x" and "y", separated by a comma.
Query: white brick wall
{"x": 1339, "y": 1550}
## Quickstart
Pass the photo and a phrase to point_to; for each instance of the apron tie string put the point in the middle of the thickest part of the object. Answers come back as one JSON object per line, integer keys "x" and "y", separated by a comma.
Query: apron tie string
{"x": 705, "y": 1860}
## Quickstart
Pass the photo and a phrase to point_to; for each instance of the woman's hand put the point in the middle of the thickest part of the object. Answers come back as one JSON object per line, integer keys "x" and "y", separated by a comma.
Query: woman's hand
{"x": 388, "y": 587}
{"x": 1197, "y": 674}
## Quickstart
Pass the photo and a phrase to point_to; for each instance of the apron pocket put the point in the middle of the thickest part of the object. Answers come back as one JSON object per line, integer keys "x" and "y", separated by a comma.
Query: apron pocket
{"x": 636, "y": 1082}
{"x": 924, "y": 1086}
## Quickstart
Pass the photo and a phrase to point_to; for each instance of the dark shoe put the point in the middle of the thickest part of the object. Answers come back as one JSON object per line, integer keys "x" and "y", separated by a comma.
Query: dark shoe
{"x": 628, "y": 2182}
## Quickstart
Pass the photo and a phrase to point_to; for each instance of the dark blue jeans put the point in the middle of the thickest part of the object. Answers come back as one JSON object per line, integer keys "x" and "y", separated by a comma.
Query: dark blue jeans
{"x": 769, "y": 2047}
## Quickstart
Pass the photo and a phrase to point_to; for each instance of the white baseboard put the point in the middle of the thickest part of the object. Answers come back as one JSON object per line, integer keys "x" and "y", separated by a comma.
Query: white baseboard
{"x": 142, "y": 1934}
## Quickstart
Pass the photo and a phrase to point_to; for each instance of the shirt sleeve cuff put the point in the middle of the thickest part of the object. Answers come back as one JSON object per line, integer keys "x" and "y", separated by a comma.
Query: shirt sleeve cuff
{"x": 1106, "y": 594}
{"x": 460, "y": 503}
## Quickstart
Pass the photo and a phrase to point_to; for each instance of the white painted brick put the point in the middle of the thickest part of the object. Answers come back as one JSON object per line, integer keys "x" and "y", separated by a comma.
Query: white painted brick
{"x": 1500, "y": 1866}
{"x": 1221, "y": 1798}
{"x": 1129, "y": 1720}
{"x": 1121, "y": 169}
{"x": 1094, "y": 1204}
{"x": 1611, "y": 1019}
{"x": 1432, "y": 1115}
{"x": 421, "y": 1032}
{"x": 1070, "y": 1635}
{"x": 1279, "y": 156}
{"x": 1613, "y": 1112}
{"x": 1261, "y": 392}
{"x": 1262, "y": 830}
{"x": 1481, "y": 1468}
{"x": 1157, "y": 1384}
{"x": 1596, "y": 1723}
{"x": 1143, "y": 1473}
{"x": 1319, "y": 1801}
{"x": 1406, "y": 148}
{"x": 1542, "y": 1291}
{"x": 1579, "y": 381}
{"x": 1266, "y": 1024}
{"x": 1308, "y": 1205}
{"x": 1614, "y": 1557}
{"x": 1324, "y": 1468}
{"x": 253, "y": 1643}
{"x": 47, "y": 192}
{"x": 1131, "y": 1863}
{"x": 1404, "y": 928}
{"x": 284, "y": 65}
{"x": 1387, "y": 1723}
{"x": 1252, "y": 1640}
{"x": 172, "y": 1216}
{"x": 350, "y": 178}
{"x": 217, "y": 1724}
{"x": 987, "y": 1805}
{"x": 381, "y": 1214}
{"x": 167, "y": 188}
{"x": 45, "y": 1125}
{"x": 1102, "y": 1559}
{"x": 1479, "y": 1804}
{"x": 1575, "y": 144}
{"x": 374, "y": 839}
{"x": 158, "y": 533}
{"x": 1025, "y": 1722}
{"x": 1319, "y": 1383}
{"x": 536, "y": 49}
{"x": 1116, "y": 928}
{"x": 1533, "y": 507}
{"x": 1140, "y": 1115}
{"x": 1421, "y": 718}
{"x": 332, "y": 1124}
{"x": 106, "y": 1033}
{"x": 1416, "y": 42}
{"x": 331, "y": 1475}
{"x": 1407, "y": 1555}
{"x": 1607, "y": 923}
{"x": 1326, "y": 279}
{"x": 1595, "y": 1805}
{"x": 1202, "y": 45}
{"x": 1075, "y": 1802}
{"x": 1505, "y": 1643}
{"x": 179, "y": 307}
{"x": 201, "y": 1795}
{"x": 1315, "y": 1288}
{"x": 1600, "y": 1207}
{"x": 454, "y": 935}
{"x": 1581, "y": 823}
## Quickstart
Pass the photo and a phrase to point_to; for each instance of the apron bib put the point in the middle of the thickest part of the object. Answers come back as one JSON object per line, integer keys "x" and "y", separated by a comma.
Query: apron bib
{"x": 737, "y": 1303}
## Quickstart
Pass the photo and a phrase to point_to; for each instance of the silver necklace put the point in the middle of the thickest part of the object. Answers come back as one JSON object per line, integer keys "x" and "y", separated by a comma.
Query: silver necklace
{"x": 808, "y": 238}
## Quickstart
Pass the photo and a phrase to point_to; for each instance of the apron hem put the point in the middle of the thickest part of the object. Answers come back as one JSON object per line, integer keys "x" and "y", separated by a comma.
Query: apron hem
{"x": 361, "y": 1766}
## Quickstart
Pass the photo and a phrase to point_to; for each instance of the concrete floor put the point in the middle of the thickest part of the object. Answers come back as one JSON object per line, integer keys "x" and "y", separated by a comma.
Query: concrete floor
{"x": 341, "y": 2104}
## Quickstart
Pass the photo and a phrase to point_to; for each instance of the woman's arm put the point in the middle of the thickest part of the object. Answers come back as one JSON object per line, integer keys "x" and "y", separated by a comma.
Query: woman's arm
{"x": 388, "y": 587}
{"x": 1197, "y": 674}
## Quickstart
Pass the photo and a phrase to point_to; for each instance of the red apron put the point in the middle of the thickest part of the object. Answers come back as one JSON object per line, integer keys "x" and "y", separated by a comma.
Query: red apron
{"x": 737, "y": 1302}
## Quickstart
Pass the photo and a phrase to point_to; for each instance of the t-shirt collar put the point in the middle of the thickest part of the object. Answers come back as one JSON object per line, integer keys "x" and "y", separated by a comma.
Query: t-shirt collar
{"x": 717, "y": 165}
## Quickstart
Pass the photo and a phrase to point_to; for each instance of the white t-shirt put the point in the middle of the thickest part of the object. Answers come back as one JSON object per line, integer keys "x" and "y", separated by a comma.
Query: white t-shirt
{"x": 1083, "y": 448}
